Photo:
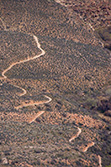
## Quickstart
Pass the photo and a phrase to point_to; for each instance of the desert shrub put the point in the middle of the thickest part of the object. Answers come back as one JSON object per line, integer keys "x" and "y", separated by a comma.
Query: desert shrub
{"x": 108, "y": 91}
{"x": 58, "y": 106}
{"x": 104, "y": 105}
{"x": 90, "y": 103}
{"x": 108, "y": 165}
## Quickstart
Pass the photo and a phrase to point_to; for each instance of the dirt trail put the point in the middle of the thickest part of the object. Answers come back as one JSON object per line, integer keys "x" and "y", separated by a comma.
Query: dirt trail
{"x": 75, "y": 136}
{"x": 36, "y": 116}
{"x": 88, "y": 146}
{"x": 100, "y": 161}
{"x": 24, "y": 61}
{"x": 32, "y": 103}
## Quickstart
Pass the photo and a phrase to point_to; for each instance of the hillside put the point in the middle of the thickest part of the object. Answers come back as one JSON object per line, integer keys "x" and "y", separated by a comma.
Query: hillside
{"x": 55, "y": 84}
{"x": 95, "y": 13}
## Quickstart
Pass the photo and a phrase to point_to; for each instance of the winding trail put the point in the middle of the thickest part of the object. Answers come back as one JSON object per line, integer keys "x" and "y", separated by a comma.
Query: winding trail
{"x": 24, "y": 61}
{"x": 31, "y": 103}
{"x": 75, "y": 136}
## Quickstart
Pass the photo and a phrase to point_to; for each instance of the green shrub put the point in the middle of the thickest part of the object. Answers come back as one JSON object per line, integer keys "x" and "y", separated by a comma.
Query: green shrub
{"x": 108, "y": 165}
{"x": 90, "y": 103}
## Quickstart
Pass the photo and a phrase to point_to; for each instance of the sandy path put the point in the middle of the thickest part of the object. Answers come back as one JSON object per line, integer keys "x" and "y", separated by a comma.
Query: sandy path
{"x": 49, "y": 99}
{"x": 75, "y": 136}
{"x": 26, "y": 60}
{"x": 23, "y": 61}
{"x": 32, "y": 103}
{"x": 88, "y": 146}
{"x": 36, "y": 116}
{"x": 100, "y": 161}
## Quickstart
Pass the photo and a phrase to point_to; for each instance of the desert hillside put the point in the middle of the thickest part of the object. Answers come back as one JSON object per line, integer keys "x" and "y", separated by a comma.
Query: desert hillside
{"x": 95, "y": 13}
{"x": 55, "y": 83}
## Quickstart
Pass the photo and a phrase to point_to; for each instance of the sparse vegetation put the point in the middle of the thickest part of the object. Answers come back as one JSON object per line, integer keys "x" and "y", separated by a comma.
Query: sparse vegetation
{"x": 91, "y": 103}
{"x": 108, "y": 165}
{"x": 73, "y": 72}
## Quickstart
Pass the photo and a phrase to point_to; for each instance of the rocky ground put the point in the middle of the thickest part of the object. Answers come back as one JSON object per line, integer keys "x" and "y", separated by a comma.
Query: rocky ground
{"x": 55, "y": 109}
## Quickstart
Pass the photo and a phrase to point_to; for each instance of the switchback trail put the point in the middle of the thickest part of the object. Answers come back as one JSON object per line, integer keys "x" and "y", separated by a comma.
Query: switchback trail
{"x": 24, "y": 61}
{"x": 88, "y": 146}
{"x": 31, "y": 103}
{"x": 75, "y": 136}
